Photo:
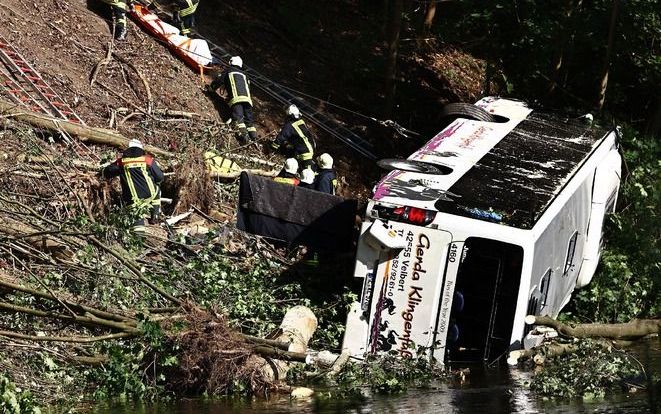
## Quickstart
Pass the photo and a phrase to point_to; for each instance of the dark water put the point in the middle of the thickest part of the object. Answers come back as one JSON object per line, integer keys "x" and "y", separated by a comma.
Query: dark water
{"x": 488, "y": 391}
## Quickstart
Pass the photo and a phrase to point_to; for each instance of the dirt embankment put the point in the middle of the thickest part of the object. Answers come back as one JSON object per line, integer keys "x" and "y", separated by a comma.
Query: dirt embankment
{"x": 66, "y": 41}
{"x": 338, "y": 60}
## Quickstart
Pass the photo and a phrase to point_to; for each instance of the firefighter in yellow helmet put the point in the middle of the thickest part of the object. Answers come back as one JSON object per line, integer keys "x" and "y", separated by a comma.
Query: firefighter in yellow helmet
{"x": 237, "y": 85}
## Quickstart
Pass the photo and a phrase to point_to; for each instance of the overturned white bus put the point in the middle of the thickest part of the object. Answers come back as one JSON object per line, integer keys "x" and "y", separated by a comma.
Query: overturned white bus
{"x": 498, "y": 216}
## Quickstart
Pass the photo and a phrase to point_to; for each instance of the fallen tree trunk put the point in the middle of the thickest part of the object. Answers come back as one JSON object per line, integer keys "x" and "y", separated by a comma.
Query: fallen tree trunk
{"x": 637, "y": 328}
{"x": 83, "y": 132}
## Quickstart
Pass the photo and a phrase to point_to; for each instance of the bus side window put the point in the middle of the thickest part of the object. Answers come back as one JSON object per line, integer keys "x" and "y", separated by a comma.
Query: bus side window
{"x": 571, "y": 249}
{"x": 544, "y": 287}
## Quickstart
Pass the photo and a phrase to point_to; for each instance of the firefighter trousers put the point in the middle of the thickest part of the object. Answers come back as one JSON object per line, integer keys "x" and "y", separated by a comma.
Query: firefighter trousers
{"x": 243, "y": 116}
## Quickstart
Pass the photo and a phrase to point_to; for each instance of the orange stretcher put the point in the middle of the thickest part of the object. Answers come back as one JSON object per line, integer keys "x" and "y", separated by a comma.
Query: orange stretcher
{"x": 194, "y": 52}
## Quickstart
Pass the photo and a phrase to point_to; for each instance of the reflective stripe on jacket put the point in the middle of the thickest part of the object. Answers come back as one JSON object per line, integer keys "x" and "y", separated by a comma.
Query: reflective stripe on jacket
{"x": 139, "y": 176}
{"x": 296, "y": 135}
{"x": 187, "y": 7}
{"x": 236, "y": 84}
{"x": 287, "y": 180}
{"x": 116, "y": 3}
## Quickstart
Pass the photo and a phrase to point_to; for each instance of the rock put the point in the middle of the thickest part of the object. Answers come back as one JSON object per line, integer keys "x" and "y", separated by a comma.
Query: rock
{"x": 301, "y": 392}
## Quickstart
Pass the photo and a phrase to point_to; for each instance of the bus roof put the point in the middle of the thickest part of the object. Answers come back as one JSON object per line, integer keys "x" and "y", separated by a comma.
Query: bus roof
{"x": 507, "y": 172}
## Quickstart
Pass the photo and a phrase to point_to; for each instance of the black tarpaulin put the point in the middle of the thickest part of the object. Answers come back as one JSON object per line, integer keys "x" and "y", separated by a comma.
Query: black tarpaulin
{"x": 295, "y": 215}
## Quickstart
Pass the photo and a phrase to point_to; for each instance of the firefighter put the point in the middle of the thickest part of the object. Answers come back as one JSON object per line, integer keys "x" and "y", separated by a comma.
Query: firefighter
{"x": 296, "y": 136}
{"x": 119, "y": 8}
{"x": 185, "y": 15}
{"x": 307, "y": 179}
{"x": 140, "y": 177}
{"x": 288, "y": 174}
{"x": 326, "y": 178}
{"x": 237, "y": 86}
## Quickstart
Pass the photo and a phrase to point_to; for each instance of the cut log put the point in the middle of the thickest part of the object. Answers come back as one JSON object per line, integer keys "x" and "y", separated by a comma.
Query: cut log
{"x": 637, "y": 328}
{"x": 84, "y": 133}
{"x": 297, "y": 327}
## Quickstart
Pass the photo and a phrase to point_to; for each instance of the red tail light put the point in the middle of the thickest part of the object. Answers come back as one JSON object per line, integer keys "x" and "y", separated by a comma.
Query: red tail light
{"x": 412, "y": 215}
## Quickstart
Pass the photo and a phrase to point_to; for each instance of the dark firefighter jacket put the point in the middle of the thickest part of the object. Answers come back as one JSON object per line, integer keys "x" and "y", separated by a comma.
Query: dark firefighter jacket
{"x": 236, "y": 84}
{"x": 139, "y": 175}
{"x": 326, "y": 181}
{"x": 287, "y": 178}
{"x": 296, "y": 134}
{"x": 187, "y": 7}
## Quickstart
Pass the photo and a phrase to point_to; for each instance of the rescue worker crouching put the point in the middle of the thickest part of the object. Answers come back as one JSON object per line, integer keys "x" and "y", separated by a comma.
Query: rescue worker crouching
{"x": 185, "y": 15}
{"x": 140, "y": 178}
{"x": 237, "y": 85}
{"x": 296, "y": 136}
{"x": 119, "y": 9}
{"x": 326, "y": 181}
{"x": 288, "y": 174}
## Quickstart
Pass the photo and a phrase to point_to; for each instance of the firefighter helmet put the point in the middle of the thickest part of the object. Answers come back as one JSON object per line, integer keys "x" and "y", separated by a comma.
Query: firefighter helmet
{"x": 325, "y": 161}
{"x": 307, "y": 176}
{"x": 135, "y": 143}
{"x": 236, "y": 61}
{"x": 291, "y": 165}
{"x": 293, "y": 111}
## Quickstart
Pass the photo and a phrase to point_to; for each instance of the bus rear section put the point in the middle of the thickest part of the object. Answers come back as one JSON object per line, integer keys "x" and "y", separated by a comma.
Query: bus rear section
{"x": 424, "y": 292}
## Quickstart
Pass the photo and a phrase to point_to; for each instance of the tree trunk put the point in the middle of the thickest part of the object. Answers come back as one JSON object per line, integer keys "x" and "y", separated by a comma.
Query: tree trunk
{"x": 654, "y": 121}
{"x": 430, "y": 13}
{"x": 609, "y": 50}
{"x": 393, "y": 30}
{"x": 83, "y": 132}
{"x": 566, "y": 35}
{"x": 637, "y": 328}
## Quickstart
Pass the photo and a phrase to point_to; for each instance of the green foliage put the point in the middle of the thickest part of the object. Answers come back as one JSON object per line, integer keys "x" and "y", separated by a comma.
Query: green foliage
{"x": 386, "y": 374}
{"x": 628, "y": 281}
{"x": 122, "y": 376}
{"x": 590, "y": 372}
{"x": 526, "y": 39}
{"x": 14, "y": 400}
{"x": 256, "y": 292}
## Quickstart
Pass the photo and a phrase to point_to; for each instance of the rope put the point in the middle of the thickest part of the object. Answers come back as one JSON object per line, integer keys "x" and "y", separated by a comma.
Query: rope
{"x": 386, "y": 123}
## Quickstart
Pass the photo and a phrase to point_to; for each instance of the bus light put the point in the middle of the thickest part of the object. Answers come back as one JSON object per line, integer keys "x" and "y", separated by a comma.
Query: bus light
{"x": 411, "y": 215}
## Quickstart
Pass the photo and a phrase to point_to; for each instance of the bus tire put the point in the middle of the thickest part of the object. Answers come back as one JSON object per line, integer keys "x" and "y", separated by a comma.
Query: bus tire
{"x": 464, "y": 110}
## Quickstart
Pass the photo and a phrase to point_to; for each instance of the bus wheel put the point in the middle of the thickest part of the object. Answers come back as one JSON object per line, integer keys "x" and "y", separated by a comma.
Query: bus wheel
{"x": 464, "y": 110}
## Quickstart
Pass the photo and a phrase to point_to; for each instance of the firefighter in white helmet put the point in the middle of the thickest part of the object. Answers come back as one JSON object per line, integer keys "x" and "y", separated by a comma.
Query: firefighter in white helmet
{"x": 307, "y": 179}
{"x": 288, "y": 175}
{"x": 295, "y": 136}
{"x": 140, "y": 178}
{"x": 237, "y": 85}
{"x": 326, "y": 181}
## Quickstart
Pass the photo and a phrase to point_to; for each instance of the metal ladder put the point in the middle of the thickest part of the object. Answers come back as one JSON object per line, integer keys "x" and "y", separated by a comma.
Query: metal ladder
{"x": 281, "y": 94}
{"x": 41, "y": 94}
{"x": 21, "y": 82}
